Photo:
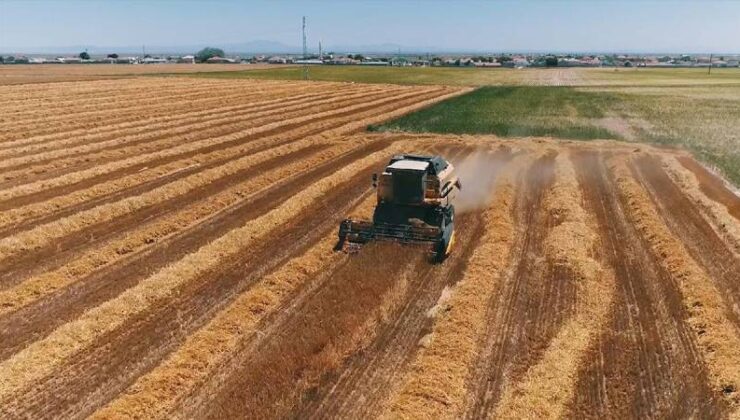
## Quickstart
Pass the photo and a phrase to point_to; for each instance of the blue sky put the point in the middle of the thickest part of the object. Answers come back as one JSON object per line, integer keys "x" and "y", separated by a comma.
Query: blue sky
{"x": 639, "y": 26}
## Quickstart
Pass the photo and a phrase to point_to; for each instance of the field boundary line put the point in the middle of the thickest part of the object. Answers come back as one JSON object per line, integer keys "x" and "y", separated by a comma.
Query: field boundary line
{"x": 717, "y": 339}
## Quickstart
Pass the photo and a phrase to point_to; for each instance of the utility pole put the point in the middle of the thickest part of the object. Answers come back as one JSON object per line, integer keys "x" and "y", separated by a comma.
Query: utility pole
{"x": 709, "y": 71}
{"x": 305, "y": 51}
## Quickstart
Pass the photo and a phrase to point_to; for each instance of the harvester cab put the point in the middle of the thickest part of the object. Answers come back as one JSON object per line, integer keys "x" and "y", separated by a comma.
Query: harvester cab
{"x": 415, "y": 206}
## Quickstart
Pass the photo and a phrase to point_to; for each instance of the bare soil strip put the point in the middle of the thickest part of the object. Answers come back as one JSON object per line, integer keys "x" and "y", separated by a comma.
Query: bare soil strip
{"x": 715, "y": 209}
{"x": 699, "y": 238}
{"x": 532, "y": 302}
{"x": 434, "y": 385}
{"x": 548, "y": 387}
{"x": 707, "y": 312}
{"x": 41, "y": 358}
{"x": 646, "y": 362}
{"x": 713, "y": 186}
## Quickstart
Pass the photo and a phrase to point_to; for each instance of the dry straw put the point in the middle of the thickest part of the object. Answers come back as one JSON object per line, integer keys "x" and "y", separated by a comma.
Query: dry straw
{"x": 45, "y": 234}
{"x": 42, "y": 357}
{"x": 434, "y": 387}
{"x": 157, "y": 118}
{"x": 720, "y": 218}
{"x": 148, "y": 235}
{"x": 258, "y": 121}
{"x": 549, "y": 386}
{"x": 718, "y": 340}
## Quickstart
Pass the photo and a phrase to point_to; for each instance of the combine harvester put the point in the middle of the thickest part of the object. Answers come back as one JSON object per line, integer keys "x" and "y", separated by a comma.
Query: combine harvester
{"x": 415, "y": 206}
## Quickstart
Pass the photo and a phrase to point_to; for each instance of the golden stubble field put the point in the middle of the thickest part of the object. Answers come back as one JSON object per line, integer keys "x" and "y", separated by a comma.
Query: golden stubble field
{"x": 44, "y": 73}
{"x": 166, "y": 251}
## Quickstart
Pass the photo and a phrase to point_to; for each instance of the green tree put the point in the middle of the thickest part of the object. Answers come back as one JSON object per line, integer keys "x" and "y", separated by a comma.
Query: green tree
{"x": 84, "y": 55}
{"x": 113, "y": 56}
{"x": 208, "y": 52}
{"x": 1, "y": 59}
{"x": 551, "y": 61}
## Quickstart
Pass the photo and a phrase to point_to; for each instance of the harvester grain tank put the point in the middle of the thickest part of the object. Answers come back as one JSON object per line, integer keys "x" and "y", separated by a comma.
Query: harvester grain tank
{"x": 415, "y": 206}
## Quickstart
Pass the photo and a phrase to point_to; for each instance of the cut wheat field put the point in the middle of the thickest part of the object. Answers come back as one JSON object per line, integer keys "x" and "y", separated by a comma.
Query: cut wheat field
{"x": 166, "y": 251}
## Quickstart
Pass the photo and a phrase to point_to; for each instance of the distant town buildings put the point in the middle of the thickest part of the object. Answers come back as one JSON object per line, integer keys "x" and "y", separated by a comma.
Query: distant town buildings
{"x": 407, "y": 60}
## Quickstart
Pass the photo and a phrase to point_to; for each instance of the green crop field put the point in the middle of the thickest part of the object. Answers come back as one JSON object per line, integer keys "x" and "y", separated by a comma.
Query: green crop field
{"x": 683, "y": 107}
{"x": 515, "y": 111}
{"x": 463, "y": 76}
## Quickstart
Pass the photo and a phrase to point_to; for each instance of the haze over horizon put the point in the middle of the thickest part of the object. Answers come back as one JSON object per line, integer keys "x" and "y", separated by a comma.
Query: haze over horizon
{"x": 433, "y": 26}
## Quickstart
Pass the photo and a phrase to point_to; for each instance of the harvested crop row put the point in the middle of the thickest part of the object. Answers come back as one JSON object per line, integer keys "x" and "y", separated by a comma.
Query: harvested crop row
{"x": 45, "y": 234}
{"x": 148, "y": 235}
{"x": 718, "y": 214}
{"x": 120, "y": 98}
{"x": 67, "y": 90}
{"x": 190, "y": 136}
{"x": 196, "y": 108}
{"x": 157, "y": 394}
{"x": 152, "y": 124}
{"x": 434, "y": 387}
{"x": 65, "y": 96}
{"x": 117, "y": 103}
{"x": 233, "y": 123}
{"x": 686, "y": 221}
{"x": 20, "y": 328}
{"x": 207, "y": 144}
{"x": 548, "y": 386}
{"x": 121, "y": 104}
{"x": 33, "y": 133}
{"x": 41, "y": 357}
{"x": 717, "y": 339}
{"x": 30, "y": 127}
{"x": 229, "y": 153}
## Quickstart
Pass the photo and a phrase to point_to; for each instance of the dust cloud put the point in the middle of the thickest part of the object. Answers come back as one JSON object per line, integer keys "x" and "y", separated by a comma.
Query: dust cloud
{"x": 476, "y": 173}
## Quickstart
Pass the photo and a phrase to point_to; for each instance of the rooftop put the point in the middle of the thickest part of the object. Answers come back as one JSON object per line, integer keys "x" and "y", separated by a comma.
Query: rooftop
{"x": 413, "y": 165}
